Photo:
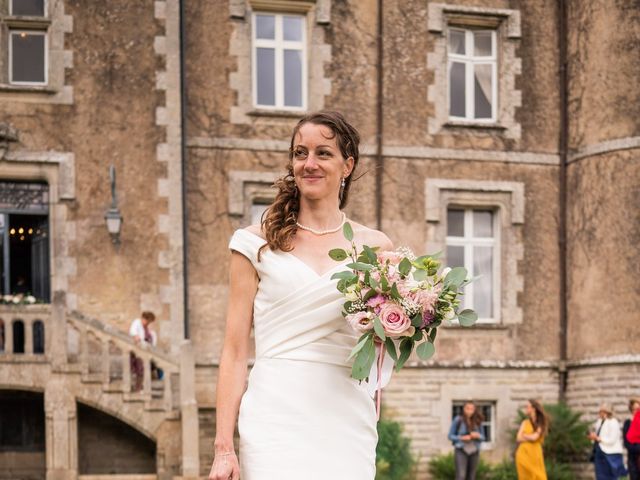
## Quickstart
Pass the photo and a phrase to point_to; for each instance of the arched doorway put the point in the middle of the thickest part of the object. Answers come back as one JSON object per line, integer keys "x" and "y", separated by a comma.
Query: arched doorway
{"x": 22, "y": 435}
{"x": 106, "y": 445}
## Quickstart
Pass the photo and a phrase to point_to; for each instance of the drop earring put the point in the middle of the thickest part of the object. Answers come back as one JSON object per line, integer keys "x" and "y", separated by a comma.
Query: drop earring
{"x": 343, "y": 183}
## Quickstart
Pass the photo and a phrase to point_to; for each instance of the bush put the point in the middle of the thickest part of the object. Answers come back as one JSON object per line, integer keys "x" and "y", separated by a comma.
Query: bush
{"x": 567, "y": 441}
{"x": 394, "y": 460}
{"x": 558, "y": 471}
{"x": 442, "y": 467}
{"x": 505, "y": 470}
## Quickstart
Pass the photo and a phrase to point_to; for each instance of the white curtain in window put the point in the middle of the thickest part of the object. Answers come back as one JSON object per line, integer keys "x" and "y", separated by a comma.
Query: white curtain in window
{"x": 483, "y": 75}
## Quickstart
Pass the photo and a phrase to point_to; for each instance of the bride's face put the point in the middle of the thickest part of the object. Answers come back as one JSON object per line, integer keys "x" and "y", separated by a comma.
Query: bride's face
{"x": 318, "y": 164}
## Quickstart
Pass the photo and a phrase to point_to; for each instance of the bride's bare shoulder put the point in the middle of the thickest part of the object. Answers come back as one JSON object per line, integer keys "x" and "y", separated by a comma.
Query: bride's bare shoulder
{"x": 371, "y": 237}
{"x": 255, "y": 229}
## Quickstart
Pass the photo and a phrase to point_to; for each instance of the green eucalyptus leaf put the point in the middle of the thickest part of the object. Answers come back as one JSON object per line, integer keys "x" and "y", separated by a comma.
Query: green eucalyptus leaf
{"x": 346, "y": 275}
{"x": 395, "y": 294}
{"x": 432, "y": 334}
{"x": 359, "y": 346}
{"x": 467, "y": 317}
{"x": 416, "y": 337}
{"x": 363, "y": 361}
{"x": 371, "y": 255}
{"x": 384, "y": 283}
{"x": 420, "y": 275}
{"x": 373, "y": 283}
{"x": 359, "y": 266}
{"x": 391, "y": 348}
{"x": 370, "y": 294}
{"x": 426, "y": 350}
{"x": 378, "y": 328}
{"x": 455, "y": 277}
{"x": 338, "y": 254}
{"x": 416, "y": 320}
{"x": 347, "y": 231}
{"x": 405, "y": 266}
{"x": 406, "y": 346}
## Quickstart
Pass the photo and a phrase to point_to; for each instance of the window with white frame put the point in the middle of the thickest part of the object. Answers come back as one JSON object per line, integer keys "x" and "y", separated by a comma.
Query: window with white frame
{"x": 488, "y": 425}
{"x": 473, "y": 242}
{"x": 472, "y": 72}
{"x": 25, "y": 24}
{"x": 279, "y": 61}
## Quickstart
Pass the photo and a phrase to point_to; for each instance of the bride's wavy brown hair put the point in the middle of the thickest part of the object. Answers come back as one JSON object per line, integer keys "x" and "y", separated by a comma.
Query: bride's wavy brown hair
{"x": 279, "y": 221}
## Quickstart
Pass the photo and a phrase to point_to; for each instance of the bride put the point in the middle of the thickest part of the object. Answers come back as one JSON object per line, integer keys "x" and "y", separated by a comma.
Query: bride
{"x": 302, "y": 416}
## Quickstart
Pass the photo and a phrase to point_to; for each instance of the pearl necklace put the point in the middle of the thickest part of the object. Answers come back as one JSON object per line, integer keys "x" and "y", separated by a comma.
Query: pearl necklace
{"x": 323, "y": 232}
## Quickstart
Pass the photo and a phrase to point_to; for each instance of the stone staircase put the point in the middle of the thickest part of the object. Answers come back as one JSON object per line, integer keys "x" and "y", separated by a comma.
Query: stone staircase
{"x": 71, "y": 357}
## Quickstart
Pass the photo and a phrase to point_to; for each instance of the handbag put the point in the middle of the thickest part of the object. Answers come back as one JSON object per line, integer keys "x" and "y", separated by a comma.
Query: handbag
{"x": 470, "y": 448}
{"x": 592, "y": 457}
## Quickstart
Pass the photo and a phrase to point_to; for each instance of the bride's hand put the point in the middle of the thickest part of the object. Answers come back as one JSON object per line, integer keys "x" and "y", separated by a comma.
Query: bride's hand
{"x": 225, "y": 467}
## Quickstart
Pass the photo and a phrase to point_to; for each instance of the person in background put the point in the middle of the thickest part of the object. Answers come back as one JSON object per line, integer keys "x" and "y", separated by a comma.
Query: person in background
{"x": 633, "y": 448}
{"x": 607, "y": 451}
{"x": 466, "y": 435}
{"x": 529, "y": 455}
{"x": 143, "y": 336}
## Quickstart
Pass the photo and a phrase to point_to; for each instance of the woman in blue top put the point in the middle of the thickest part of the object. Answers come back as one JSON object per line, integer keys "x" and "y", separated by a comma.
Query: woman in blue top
{"x": 466, "y": 435}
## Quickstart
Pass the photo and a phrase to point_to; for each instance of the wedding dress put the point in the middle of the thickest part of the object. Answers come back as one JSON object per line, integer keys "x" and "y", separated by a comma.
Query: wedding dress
{"x": 302, "y": 416}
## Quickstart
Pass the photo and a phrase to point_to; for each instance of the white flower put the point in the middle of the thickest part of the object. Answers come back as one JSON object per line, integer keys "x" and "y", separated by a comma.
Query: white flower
{"x": 17, "y": 299}
{"x": 7, "y": 298}
{"x": 30, "y": 299}
{"x": 449, "y": 314}
{"x": 351, "y": 293}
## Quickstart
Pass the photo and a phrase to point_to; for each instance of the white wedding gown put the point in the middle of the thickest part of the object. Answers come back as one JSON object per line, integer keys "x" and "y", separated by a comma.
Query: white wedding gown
{"x": 302, "y": 416}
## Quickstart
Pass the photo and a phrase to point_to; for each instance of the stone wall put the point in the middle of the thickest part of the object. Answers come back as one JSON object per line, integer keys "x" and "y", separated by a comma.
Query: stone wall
{"x": 421, "y": 399}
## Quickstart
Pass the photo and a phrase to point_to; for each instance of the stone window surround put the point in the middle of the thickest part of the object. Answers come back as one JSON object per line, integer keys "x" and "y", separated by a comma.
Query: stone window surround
{"x": 507, "y": 23}
{"x": 508, "y": 200}
{"x": 58, "y": 170}
{"x": 499, "y": 395}
{"x": 318, "y": 53}
{"x": 247, "y": 188}
{"x": 59, "y": 59}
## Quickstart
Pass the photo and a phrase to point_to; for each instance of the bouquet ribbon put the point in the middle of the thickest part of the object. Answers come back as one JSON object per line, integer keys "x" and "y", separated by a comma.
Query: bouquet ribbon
{"x": 380, "y": 375}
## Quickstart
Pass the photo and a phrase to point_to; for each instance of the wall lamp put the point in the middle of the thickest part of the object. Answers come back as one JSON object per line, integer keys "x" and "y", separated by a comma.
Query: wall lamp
{"x": 113, "y": 217}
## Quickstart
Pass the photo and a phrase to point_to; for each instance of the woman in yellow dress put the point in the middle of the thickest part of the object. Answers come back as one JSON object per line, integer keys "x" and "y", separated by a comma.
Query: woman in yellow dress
{"x": 529, "y": 457}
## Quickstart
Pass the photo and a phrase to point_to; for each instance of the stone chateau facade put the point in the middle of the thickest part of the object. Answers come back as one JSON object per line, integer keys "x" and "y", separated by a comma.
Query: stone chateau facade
{"x": 504, "y": 133}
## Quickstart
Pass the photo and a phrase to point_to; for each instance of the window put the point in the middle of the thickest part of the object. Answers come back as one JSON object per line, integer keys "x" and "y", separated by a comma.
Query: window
{"x": 279, "y": 61}
{"x": 470, "y": 87}
{"x": 487, "y": 409}
{"x": 24, "y": 240}
{"x": 38, "y": 336}
{"x": 27, "y": 42}
{"x": 472, "y": 243}
{"x": 472, "y": 68}
{"x": 18, "y": 336}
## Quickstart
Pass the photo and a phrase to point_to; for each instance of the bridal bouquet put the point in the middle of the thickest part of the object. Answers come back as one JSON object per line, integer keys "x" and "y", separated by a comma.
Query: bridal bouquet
{"x": 396, "y": 301}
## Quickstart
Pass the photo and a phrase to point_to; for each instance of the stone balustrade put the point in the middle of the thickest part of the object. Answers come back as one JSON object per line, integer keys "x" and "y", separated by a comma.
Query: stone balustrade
{"x": 104, "y": 354}
{"x": 24, "y": 332}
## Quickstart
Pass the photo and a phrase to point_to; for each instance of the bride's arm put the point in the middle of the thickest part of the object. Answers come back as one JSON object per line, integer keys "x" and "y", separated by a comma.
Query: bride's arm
{"x": 243, "y": 281}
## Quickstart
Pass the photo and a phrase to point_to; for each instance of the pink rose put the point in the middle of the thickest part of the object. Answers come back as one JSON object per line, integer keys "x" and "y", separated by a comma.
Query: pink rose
{"x": 394, "y": 321}
{"x": 360, "y": 321}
